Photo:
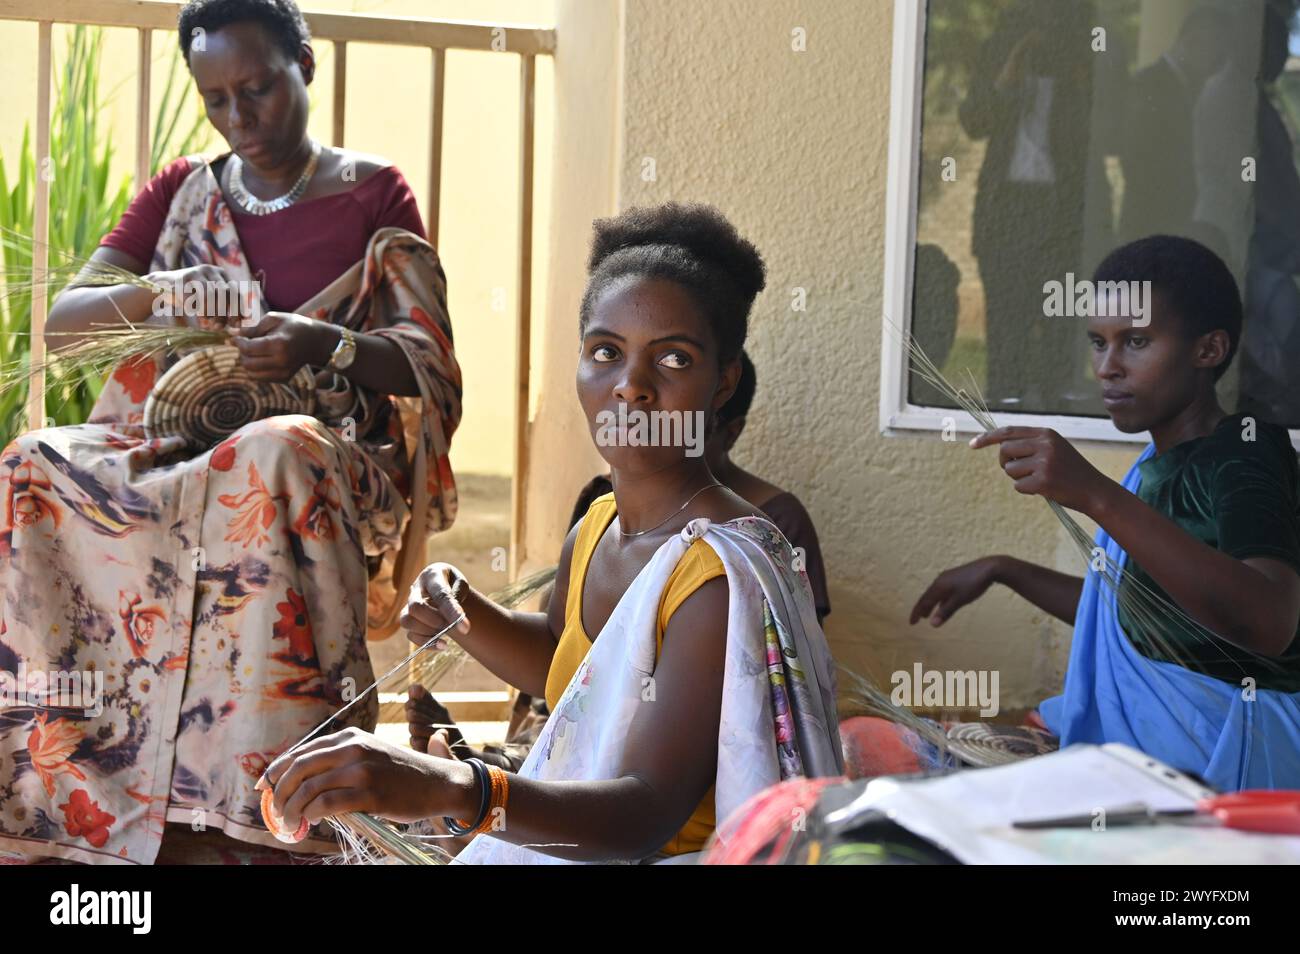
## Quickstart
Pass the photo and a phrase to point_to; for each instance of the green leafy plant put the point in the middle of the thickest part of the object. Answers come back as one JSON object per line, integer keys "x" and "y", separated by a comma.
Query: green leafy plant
{"x": 84, "y": 206}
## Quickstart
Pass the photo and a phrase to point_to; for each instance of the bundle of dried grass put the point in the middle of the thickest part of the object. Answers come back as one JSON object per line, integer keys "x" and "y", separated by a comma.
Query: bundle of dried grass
{"x": 101, "y": 349}
{"x": 98, "y": 351}
{"x": 366, "y": 840}
{"x": 62, "y": 269}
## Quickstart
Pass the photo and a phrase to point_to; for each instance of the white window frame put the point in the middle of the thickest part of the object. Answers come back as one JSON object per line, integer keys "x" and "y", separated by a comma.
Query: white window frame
{"x": 898, "y": 416}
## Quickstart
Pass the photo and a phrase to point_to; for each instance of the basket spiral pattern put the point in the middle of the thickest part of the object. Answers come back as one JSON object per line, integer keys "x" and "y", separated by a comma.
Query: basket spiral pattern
{"x": 207, "y": 396}
{"x": 985, "y": 744}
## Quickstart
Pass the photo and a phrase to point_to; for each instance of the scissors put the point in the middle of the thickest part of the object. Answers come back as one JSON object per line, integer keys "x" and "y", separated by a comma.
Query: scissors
{"x": 1274, "y": 812}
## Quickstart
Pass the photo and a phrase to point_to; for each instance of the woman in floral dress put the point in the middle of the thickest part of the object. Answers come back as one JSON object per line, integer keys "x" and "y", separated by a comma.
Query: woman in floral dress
{"x": 223, "y": 595}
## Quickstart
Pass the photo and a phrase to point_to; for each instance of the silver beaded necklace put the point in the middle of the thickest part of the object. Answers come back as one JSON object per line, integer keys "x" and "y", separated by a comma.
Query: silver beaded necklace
{"x": 255, "y": 206}
{"x": 641, "y": 533}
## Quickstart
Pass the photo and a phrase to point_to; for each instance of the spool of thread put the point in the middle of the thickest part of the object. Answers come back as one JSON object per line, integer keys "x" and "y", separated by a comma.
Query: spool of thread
{"x": 275, "y": 822}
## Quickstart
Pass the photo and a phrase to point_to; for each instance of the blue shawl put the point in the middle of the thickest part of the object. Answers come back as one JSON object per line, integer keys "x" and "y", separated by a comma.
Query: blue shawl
{"x": 1188, "y": 720}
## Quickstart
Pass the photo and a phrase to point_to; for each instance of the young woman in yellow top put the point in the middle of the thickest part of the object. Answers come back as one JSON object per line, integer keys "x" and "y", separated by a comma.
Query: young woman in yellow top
{"x": 663, "y": 321}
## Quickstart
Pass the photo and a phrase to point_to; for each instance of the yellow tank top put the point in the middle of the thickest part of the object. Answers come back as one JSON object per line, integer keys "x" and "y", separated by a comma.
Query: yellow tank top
{"x": 697, "y": 566}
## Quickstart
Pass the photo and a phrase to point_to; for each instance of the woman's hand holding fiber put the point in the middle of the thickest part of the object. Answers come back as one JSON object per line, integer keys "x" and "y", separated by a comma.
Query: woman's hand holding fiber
{"x": 200, "y": 296}
{"x": 432, "y": 605}
{"x": 1044, "y": 463}
{"x": 281, "y": 343}
{"x": 355, "y": 771}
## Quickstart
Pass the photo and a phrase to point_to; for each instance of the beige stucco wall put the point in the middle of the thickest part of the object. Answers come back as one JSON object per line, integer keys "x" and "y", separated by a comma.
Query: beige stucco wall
{"x": 584, "y": 186}
{"x": 792, "y": 146}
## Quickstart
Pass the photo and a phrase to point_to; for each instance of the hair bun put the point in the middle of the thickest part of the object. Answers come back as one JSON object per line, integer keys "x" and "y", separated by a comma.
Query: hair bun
{"x": 699, "y": 229}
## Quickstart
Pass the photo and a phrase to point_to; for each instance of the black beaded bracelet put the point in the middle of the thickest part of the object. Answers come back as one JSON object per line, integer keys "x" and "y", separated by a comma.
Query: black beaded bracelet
{"x": 485, "y": 800}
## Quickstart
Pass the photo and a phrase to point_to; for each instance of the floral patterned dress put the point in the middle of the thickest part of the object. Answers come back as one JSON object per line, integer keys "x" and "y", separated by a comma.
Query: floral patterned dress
{"x": 223, "y": 595}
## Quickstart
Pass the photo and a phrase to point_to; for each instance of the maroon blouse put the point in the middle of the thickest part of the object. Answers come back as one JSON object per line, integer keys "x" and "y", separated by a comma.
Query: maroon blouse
{"x": 294, "y": 253}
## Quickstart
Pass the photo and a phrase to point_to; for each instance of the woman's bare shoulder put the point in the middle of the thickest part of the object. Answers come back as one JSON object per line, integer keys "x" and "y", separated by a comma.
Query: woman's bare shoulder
{"x": 722, "y": 505}
{"x": 362, "y": 165}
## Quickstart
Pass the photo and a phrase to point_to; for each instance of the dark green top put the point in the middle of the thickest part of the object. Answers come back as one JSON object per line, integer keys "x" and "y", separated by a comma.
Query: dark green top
{"x": 1241, "y": 497}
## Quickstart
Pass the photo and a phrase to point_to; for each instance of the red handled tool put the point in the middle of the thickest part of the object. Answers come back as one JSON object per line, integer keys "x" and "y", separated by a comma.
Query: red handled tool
{"x": 1275, "y": 812}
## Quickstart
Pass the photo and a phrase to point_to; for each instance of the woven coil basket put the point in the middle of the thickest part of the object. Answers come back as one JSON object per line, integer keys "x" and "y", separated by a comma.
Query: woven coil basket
{"x": 207, "y": 396}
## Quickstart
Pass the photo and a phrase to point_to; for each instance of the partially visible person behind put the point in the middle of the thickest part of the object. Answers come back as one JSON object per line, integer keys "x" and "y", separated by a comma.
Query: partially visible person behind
{"x": 781, "y": 506}
{"x": 1157, "y": 155}
{"x": 1270, "y": 344}
{"x": 1032, "y": 101}
{"x": 935, "y": 313}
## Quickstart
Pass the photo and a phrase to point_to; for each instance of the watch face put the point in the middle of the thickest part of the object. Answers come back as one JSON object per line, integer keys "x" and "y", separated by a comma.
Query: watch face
{"x": 344, "y": 353}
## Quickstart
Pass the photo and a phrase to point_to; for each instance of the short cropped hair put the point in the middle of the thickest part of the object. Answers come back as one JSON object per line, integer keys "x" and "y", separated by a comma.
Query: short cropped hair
{"x": 1192, "y": 280}
{"x": 281, "y": 18}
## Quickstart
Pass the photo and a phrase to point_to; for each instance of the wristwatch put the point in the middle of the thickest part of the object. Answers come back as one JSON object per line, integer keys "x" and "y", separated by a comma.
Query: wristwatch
{"x": 344, "y": 352}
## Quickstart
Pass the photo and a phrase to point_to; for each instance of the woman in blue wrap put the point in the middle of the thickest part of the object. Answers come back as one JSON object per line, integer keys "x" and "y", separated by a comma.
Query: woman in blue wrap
{"x": 1207, "y": 520}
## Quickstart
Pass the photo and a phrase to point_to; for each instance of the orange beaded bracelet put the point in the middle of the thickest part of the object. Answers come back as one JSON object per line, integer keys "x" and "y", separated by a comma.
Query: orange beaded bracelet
{"x": 495, "y": 794}
{"x": 499, "y": 795}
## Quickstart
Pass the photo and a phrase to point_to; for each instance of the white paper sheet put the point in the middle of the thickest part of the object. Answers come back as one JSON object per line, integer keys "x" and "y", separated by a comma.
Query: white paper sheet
{"x": 970, "y": 813}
